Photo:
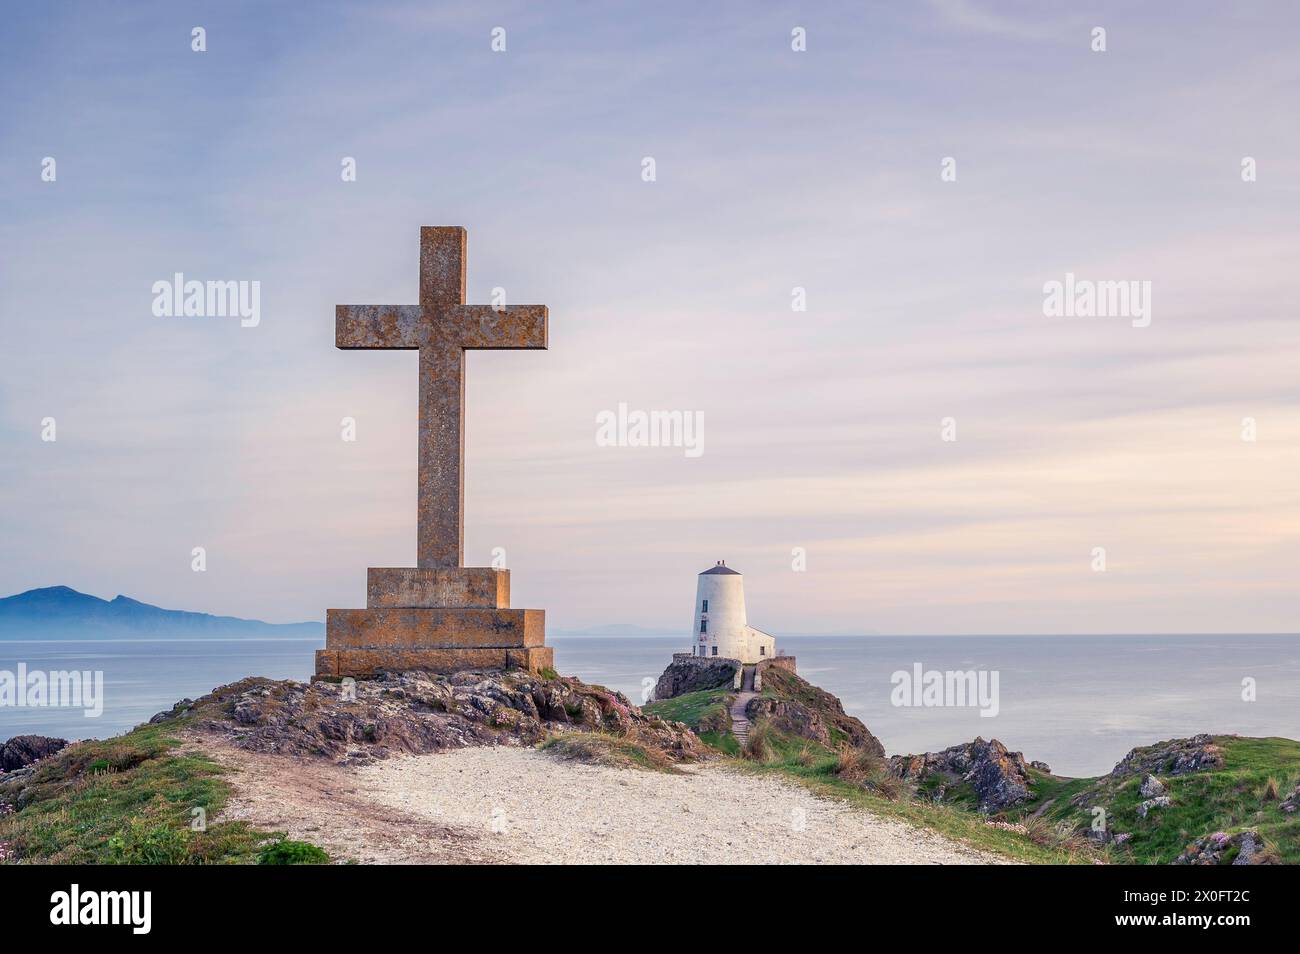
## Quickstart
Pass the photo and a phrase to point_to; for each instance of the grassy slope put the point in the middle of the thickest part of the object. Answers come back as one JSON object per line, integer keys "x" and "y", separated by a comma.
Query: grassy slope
{"x": 708, "y": 712}
{"x": 130, "y": 800}
{"x": 1241, "y": 795}
{"x": 779, "y": 684}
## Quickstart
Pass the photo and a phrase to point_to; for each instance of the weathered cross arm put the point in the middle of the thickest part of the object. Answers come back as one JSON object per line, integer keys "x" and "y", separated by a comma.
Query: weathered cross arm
{"x": 512, "y": 327}
{"x": 509, "y": 327}
{"x": 377, "y": 326}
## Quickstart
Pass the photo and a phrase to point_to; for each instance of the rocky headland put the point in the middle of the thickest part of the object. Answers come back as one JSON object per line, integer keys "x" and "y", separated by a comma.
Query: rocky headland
{"x": 414, "y": 713}
{"x": 346, "y": 765}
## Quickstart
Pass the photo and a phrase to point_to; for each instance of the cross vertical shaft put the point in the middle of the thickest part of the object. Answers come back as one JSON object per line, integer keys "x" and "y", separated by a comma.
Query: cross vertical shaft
{"x": 441, "y": 327}
{"x": 440, "y": 499}
{"x": 440, "y": 531}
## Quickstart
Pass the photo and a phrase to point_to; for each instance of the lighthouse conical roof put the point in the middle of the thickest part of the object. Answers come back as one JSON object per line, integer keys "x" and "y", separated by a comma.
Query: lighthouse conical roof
{"x": 719, "y": 569}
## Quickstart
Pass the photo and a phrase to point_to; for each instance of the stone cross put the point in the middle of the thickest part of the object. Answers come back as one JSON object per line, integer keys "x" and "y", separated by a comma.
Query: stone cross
{"x": 441, "y": 327}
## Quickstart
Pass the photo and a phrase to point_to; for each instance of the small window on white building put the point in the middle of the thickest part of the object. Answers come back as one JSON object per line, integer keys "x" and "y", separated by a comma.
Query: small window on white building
{"x": 706, "y": 607}
{"x": 704, "y": 626}
{"x": 762, "y": 650}
{"x": 715, "y": 650}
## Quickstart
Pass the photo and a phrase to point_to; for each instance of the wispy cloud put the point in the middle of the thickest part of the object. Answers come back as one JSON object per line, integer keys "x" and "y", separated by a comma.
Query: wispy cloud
{"x": 979, "y": 18}
{"x": 774, "y": 172}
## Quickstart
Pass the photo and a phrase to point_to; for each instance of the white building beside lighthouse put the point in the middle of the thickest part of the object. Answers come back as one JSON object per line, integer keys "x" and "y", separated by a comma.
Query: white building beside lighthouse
{"x": 720, "y": 625}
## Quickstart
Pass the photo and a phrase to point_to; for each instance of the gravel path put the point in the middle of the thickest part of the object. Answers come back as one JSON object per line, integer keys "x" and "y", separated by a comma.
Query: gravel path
{"x": 503, "y": 805}
{"x": 526, "y": 806}
{"x": 325, "y": 804}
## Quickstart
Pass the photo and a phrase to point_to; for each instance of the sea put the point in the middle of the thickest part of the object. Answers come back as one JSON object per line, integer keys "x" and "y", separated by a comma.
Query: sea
{"x": 1078, "y": 703}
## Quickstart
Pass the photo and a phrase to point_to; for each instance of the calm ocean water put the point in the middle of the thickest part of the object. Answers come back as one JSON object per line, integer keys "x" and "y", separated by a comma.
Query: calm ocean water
{"x": 1076, "y": 702}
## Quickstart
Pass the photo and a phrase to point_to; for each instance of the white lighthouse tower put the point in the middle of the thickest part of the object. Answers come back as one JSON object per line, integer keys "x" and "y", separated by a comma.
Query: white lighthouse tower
{"x": 720, "y": 626}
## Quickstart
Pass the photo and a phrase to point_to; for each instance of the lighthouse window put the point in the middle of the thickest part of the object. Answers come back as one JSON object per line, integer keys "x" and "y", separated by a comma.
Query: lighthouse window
{"x": 706, "y": 607}
{"x": 704, "y": 626}
{"x": 715, "y": 650}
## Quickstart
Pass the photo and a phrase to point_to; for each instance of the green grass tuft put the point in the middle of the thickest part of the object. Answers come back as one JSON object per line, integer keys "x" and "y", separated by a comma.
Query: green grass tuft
{"x": 128, "y": 800}
{"x": 283, "y": 851}
{"x": 707, "y": 712}
{"x": 693, "y": 708}
{"x": 724, "y": 742}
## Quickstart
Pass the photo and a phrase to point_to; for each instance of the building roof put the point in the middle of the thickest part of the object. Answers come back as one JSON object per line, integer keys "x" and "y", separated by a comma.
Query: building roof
{"x": 720, "y": 569}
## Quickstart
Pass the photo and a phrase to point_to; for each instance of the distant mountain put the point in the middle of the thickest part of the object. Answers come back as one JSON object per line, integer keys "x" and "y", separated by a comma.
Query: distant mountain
{"x": 60, "y": 612}
{"x": 617, "y": 629}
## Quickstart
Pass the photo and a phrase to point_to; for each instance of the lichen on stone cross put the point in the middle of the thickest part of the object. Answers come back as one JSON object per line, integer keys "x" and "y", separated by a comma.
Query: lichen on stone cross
{"x": 441, "y": 327}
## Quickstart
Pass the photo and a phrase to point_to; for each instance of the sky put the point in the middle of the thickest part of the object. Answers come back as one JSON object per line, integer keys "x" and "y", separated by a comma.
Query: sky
{"x": 774, "y": 169}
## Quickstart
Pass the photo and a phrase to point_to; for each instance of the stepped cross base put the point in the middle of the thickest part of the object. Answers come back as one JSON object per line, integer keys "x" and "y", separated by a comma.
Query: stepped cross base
{"x": 439, "y": 615}
{"x": 439, "y": 619}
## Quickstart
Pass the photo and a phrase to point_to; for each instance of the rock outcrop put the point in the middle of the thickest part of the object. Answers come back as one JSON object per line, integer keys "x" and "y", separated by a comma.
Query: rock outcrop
{"x": 1161, "y": 801}
{"x": 1152, "y": 787}
{"x": 23, "y": 750}
{"x": 1172, "y": 757}
{"x": 1292, "y": 802}
{"x": 998, "y": 777}
{"x": 418, "y": 712}
{"x": 1244, "y": 848}
{"x": 175, "y": 712}
{"x": 695, "y": 674}
{"x": 791, "y": 704}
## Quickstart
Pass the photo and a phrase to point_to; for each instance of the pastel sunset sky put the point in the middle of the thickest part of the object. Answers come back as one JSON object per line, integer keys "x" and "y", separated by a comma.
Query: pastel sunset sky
{"x": 775, "y": 169}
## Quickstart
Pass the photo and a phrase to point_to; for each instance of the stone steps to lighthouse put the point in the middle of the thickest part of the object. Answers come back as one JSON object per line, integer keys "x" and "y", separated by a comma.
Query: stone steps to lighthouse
{"x": 739, "y": 722}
